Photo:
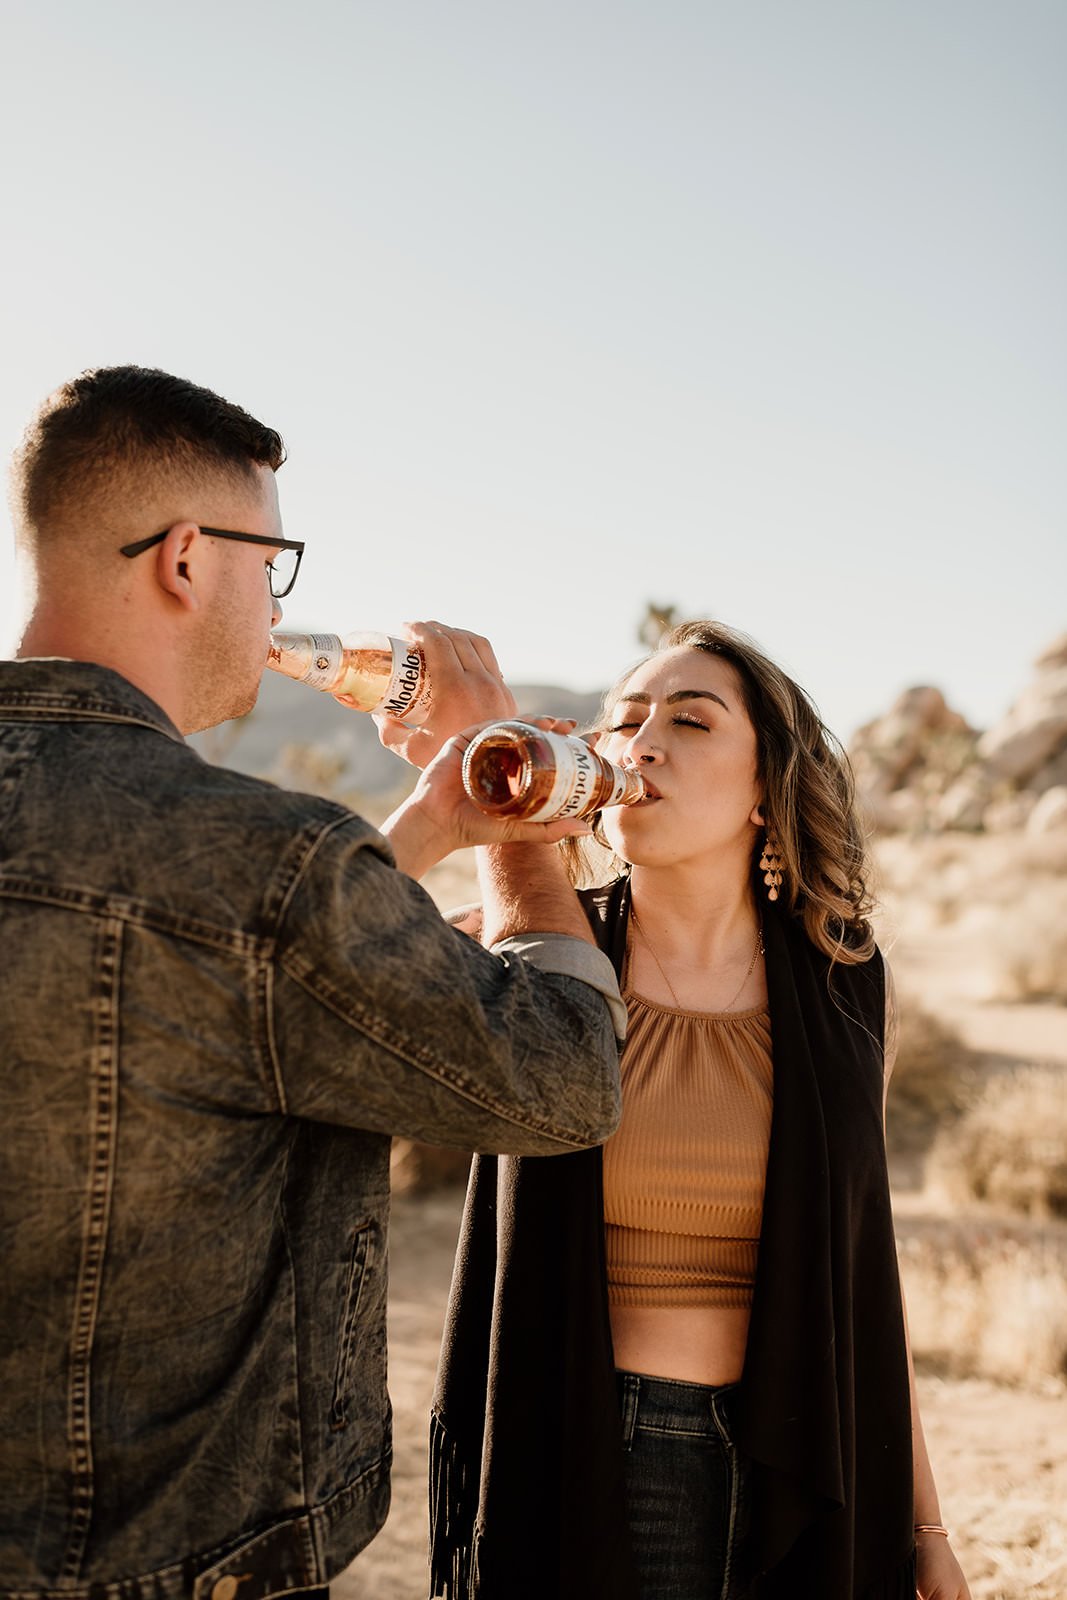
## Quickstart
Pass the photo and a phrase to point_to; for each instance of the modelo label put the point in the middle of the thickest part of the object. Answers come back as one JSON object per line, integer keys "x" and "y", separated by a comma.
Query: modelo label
{"x": 577, "y": 775}
{"x": 325, "y": 660}
{"x": 408, "y": 690}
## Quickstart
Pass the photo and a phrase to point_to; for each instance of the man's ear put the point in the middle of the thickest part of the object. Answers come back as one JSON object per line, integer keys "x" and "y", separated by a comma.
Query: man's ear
{"x": 177, "y": 570}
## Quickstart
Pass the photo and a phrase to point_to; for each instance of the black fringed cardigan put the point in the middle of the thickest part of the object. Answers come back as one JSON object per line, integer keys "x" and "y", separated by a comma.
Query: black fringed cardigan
{"x": 526, "y": 1463}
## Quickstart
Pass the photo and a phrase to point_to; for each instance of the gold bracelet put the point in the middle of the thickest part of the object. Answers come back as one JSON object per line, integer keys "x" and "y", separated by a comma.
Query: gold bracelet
{"x": 931, "y": 1527}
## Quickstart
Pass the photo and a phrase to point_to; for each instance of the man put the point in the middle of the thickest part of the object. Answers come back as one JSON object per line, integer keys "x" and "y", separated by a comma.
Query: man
{"x": 220, "y": 1000}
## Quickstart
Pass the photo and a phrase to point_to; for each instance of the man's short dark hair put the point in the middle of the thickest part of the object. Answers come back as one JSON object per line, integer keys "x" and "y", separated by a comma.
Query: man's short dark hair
{"x": 117, "y": 425}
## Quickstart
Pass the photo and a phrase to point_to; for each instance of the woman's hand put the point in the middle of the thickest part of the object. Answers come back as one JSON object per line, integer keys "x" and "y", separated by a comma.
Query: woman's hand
{"x": 466, "y": 686}
{"x": 938, "y": 1573}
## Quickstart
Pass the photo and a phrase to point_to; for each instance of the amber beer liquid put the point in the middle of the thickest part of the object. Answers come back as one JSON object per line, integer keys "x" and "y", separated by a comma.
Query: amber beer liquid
{"x": 512, "y": 769}
{"x": 367, "y": 671}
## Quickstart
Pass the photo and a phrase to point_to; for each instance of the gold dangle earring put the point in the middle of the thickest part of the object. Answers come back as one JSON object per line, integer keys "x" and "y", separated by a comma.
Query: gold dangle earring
{"x": 770, "y": 864}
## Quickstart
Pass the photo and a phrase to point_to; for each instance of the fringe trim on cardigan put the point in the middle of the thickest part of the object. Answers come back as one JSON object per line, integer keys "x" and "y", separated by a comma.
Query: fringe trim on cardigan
{"x": 453, "y": 1513}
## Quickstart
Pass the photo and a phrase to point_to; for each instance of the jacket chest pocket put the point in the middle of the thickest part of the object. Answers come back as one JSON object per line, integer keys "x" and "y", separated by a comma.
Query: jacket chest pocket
{"x": 362, "y": 1313}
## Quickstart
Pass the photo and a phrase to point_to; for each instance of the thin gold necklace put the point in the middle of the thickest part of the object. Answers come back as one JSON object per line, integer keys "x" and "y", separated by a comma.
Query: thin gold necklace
{"x": 756, "y": 953}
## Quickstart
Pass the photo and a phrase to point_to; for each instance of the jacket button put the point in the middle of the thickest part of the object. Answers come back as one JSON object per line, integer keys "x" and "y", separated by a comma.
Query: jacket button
{"x": 224, "y": 1588}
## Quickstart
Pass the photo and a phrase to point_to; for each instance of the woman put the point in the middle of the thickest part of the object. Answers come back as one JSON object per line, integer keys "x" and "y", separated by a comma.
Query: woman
{"x": 678, "y": 1367}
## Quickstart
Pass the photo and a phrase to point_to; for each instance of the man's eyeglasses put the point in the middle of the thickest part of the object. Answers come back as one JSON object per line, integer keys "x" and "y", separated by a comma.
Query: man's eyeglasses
{"x": 283, "y": 568}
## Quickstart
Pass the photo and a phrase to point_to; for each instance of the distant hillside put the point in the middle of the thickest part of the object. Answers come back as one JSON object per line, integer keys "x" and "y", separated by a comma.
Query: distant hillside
{"x": 296, "y": 736}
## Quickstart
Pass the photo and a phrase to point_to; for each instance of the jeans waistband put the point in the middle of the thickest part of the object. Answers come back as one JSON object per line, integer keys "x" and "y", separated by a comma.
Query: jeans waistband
{"x": 674, "y": 1405}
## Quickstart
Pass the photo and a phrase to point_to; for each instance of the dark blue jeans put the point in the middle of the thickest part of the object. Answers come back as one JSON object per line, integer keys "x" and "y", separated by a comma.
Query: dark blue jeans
{"x": 685, "y": 1487}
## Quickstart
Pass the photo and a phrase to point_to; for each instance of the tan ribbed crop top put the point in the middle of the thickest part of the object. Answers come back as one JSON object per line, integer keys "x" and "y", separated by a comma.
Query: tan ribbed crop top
{"x": 684, "y": 1173}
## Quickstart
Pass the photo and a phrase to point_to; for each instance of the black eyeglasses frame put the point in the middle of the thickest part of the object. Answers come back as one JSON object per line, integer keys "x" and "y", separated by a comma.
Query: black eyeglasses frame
{"x": 142, "y": 545}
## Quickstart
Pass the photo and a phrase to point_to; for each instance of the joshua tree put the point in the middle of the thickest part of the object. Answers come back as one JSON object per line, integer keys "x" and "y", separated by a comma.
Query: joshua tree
{"x": 656, "y": 621}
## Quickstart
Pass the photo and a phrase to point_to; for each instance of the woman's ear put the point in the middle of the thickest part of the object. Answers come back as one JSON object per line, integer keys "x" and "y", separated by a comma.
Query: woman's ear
{"x": 756, "y": 815}
{"x": 176, "y": 564}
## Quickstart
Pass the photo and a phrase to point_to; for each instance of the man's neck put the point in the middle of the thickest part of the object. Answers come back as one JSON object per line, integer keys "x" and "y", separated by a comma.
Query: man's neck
{"x": 55, "y": 631}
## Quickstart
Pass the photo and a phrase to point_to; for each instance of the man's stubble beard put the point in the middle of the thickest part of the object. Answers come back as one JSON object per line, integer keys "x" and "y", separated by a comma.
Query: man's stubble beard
{"x": 222, "y": 668}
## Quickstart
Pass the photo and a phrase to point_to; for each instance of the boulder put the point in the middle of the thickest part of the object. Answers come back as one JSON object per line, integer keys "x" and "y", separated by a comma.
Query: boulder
{"x": 965, "y": 802}
{"x": 1049, "y": 813}
{"x": 906, "y": 760}
{"x": 1033, "y": 734}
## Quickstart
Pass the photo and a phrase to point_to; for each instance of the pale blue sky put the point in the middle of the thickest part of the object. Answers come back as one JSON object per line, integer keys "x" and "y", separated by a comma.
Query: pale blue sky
{"x": 754, "y": 308}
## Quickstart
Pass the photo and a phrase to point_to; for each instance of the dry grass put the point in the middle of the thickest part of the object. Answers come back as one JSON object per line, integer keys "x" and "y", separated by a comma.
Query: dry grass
{"x": 1031, "y": 943}
{"x": 1002, "y": 1473}
{"x": 1014, "y": 1546}
{"x": 934, "y": 1080}
{"x": 985, "y": 1261}
{"x": 986, "y": 1296}
{"x": 1009, "y": 1148}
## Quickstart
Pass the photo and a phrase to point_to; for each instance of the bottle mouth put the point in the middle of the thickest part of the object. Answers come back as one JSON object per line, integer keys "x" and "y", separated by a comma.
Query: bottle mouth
{"x": 498, "y": 785}
{"x": 504, "y": 780}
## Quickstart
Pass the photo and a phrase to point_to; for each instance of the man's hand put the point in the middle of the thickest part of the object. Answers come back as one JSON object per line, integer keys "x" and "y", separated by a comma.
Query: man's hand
{"x": 465, "y": 687}
{"x": 439, "y": 817}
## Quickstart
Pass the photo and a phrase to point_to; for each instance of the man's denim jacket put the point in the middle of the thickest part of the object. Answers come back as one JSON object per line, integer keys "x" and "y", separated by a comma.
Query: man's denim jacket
{"x": 219, "y": 1001}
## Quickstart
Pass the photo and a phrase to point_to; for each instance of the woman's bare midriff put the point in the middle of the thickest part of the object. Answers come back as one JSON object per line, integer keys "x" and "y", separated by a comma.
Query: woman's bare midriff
{"x": 695, "y": 1344}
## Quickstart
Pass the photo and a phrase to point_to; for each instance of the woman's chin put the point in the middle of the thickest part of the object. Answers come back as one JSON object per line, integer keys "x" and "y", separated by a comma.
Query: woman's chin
{"x": 637, "y": 852}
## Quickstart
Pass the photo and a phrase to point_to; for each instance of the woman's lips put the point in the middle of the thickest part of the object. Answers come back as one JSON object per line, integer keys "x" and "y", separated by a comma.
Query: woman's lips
{"x": 651, "y": 792}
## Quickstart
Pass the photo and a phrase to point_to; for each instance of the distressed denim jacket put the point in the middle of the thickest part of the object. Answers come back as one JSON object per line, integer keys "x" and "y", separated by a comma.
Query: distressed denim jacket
{"x": 218, "y": 1002}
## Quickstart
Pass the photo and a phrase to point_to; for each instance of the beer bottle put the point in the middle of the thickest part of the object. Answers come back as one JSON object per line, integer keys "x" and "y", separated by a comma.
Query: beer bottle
{"x": 512, "y": 769}
{"x": 367, "y": 671}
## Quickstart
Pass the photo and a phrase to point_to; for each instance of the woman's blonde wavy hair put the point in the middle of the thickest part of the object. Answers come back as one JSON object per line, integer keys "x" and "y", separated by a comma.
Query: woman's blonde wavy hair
{"x": 809, "y": 795}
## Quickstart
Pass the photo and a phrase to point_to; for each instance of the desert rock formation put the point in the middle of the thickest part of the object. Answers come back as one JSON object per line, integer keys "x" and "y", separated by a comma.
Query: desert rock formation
{"x": 922, "y": 768}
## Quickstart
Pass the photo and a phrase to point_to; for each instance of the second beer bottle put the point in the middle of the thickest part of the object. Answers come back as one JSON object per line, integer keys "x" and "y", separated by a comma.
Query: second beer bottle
{"x": 512, "y": 769}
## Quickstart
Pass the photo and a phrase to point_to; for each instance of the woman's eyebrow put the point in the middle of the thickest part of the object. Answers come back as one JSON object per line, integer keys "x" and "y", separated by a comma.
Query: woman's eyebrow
{"x": 639, "y": 698}
{"x": 696, "y": 694}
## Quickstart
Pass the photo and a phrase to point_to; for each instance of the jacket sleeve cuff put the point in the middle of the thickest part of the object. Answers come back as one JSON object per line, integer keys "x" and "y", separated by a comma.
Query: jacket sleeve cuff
{"x": 573, "y": 958}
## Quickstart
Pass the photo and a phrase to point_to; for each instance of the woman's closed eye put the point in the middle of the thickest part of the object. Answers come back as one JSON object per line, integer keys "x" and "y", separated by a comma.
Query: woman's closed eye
{"x": 678, "y": 722}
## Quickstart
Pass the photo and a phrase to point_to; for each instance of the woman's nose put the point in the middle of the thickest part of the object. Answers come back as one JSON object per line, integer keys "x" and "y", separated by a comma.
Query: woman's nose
{"x": 641, "y": 752}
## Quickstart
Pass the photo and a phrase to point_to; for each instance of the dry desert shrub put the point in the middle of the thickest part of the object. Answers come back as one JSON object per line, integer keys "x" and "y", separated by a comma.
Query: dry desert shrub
{"x": 957, "y": 869}
{"x": 1009, "y": 1147}
{"x": 998, "y": 901}
{"x": 933, "y": 1081}
{"x": 986, "y": 1297}
{"x": 1021, "y": 887}
{"x": 1029, "y": 944}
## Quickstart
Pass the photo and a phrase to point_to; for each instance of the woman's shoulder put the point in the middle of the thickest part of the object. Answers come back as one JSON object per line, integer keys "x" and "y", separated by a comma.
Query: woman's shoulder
{"x": 603, "y": 899}
{"x": 854, "y": 971}
{"x": 839, "y": 947}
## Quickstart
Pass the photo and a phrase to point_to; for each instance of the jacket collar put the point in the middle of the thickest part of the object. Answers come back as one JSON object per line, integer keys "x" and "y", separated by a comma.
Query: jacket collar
{"x": 53, "y": 689}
